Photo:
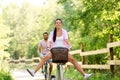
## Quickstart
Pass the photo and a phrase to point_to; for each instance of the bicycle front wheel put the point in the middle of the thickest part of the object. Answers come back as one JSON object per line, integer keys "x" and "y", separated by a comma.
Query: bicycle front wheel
{"x": 60, "y": 72}
{"x": 46, "y": 74}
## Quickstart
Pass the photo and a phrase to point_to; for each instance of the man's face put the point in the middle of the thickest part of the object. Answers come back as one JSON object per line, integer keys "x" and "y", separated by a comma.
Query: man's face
{"x": 45, "y": 36}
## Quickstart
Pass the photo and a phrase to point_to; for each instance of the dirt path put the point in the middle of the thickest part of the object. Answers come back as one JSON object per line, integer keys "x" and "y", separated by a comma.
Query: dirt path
{"x": 20, "y": 74}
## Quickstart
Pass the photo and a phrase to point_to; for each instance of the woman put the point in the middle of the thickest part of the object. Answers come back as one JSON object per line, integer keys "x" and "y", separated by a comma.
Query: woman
{"x": 59, "y": 38}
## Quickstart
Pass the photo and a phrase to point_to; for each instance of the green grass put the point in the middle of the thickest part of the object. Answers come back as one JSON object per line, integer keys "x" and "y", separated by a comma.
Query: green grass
{"x": 4, "y": 75}
{"x": 5, "y": 71}
{"x": 73, "y": 74}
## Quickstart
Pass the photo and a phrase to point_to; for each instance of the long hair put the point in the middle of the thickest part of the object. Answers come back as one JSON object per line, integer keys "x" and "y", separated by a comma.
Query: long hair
{"x": 55, "y": 30}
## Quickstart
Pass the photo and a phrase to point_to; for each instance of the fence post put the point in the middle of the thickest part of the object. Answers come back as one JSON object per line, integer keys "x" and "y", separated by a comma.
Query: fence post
{"x": 111, "y": 53}
{"x": 82, "y": 50}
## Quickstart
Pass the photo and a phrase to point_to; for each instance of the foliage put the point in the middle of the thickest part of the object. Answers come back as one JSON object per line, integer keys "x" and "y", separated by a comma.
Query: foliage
{"x": 5, "y": 75}
{"x": 87, "y": 21}
{"x": 4, "y": 41}
{"x": 27, "y": 23}
{"x": 4, "y": 71}
{"x": 91, "y": 22}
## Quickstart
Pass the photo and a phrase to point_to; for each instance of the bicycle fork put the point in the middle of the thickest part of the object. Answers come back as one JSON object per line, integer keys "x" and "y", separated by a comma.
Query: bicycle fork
{"x": 59, "y": 72}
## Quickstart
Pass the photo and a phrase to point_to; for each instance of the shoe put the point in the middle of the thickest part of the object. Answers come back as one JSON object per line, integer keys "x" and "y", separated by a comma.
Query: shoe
{"x": 31, "y": 72}
{"x": 87, "y": 76}
{"x": 52, "y": 77}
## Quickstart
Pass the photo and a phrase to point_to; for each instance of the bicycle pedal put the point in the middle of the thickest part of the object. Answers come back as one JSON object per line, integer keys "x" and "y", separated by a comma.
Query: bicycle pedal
{"x": 52, "y": 76}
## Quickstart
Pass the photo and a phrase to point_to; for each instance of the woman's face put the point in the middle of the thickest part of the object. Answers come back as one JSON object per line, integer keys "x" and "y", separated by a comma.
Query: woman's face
{"x": 58, "y": 24}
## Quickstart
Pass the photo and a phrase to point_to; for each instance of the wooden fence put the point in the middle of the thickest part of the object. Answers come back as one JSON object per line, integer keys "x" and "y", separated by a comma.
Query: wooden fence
{"x": 107, "y": 50}
{"x": 82, "y": 54}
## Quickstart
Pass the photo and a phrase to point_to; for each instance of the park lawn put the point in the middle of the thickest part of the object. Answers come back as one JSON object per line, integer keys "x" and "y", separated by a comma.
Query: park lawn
{"x": 73, "y": 74}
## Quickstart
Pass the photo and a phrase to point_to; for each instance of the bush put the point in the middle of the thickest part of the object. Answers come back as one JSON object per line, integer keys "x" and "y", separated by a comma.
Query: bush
{"x": 5, "y": 75}
{"x": 5, "y": 71}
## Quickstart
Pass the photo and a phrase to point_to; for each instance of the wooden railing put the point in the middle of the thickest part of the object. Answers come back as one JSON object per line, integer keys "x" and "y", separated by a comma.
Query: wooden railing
{"x": 96, "y": 52}
{"x": 110, "y": 62}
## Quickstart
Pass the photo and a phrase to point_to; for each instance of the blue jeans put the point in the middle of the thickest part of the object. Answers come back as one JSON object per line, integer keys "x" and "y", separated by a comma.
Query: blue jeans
{"x": 43, "y": 55}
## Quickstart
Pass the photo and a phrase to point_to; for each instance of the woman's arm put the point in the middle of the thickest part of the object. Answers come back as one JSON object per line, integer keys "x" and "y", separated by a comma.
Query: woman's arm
{"x": 66, "y": 39}
{"x": 68, "y": 43}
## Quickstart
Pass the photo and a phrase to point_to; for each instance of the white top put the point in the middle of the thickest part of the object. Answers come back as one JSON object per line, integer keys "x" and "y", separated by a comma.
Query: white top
{"x": 65, "y": 36}
{"x": 59, "y": 42}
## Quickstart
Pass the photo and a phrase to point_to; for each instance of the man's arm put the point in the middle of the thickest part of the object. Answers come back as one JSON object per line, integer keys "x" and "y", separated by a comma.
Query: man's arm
{"x": 39, "y": 49}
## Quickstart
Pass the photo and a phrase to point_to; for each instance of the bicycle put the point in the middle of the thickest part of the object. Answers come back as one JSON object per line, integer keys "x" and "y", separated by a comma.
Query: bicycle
{"x": 60, "y": 57}
{"x": 46, "y": 71}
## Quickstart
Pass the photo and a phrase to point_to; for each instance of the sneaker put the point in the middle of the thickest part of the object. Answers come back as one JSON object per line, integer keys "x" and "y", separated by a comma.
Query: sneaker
{"x": 52, "y": 77}
{"x": 31, "y": 72}
{"x": 87, "y": 76}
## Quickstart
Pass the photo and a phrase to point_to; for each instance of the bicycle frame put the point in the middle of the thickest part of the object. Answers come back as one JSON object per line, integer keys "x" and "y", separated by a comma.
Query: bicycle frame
{"x": 59, "y": 72}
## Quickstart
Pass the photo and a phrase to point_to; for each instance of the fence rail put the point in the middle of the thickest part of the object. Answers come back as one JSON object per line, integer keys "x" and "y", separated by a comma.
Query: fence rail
{"x": 113, "y": 44}
{"x": 101, "y": 51}
{"x": 114, "y": 62}
{"x": 83, "y": 54}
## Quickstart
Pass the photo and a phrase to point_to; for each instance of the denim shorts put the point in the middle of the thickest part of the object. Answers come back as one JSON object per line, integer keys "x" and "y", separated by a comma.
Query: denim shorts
{"x": 43, "y": 55}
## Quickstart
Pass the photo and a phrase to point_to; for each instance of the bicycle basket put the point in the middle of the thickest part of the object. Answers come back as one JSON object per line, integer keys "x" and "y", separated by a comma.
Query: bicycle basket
{"x": 59, "y": 54}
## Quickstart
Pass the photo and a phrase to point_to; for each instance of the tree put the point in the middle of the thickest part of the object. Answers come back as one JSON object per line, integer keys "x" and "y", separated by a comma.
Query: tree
{"x": 27, "y": 23}
{"x": 90, "y": 22}
{"x": 4, "y": 40}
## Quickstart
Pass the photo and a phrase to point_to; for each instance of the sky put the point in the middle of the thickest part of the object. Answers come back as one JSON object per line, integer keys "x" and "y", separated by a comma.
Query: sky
{"x": 19, "y": 2}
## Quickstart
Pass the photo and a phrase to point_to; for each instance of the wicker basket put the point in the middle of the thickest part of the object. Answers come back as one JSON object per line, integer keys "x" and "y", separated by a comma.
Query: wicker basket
{"x": 59, "y": 54}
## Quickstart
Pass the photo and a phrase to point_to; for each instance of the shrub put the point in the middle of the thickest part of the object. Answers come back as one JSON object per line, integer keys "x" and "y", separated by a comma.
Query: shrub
{"x": 5, "y": 71}
{"x": 5, "y": 75}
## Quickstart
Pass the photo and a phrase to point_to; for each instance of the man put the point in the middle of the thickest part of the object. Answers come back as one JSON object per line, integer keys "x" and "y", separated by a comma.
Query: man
{"x": 43, "y": 50}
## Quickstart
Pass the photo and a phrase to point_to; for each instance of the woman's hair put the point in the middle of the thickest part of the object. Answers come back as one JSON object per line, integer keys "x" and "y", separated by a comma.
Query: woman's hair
{"x": 54, "y": 33}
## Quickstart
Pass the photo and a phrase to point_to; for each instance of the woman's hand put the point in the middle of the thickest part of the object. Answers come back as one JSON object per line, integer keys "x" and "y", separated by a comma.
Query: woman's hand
{"x": 70, "y": 47}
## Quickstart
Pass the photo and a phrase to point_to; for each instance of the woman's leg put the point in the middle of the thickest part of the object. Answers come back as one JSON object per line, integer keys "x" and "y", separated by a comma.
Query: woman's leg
{"x": 74, "y": 62}
{"x": 42, "y": 62}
